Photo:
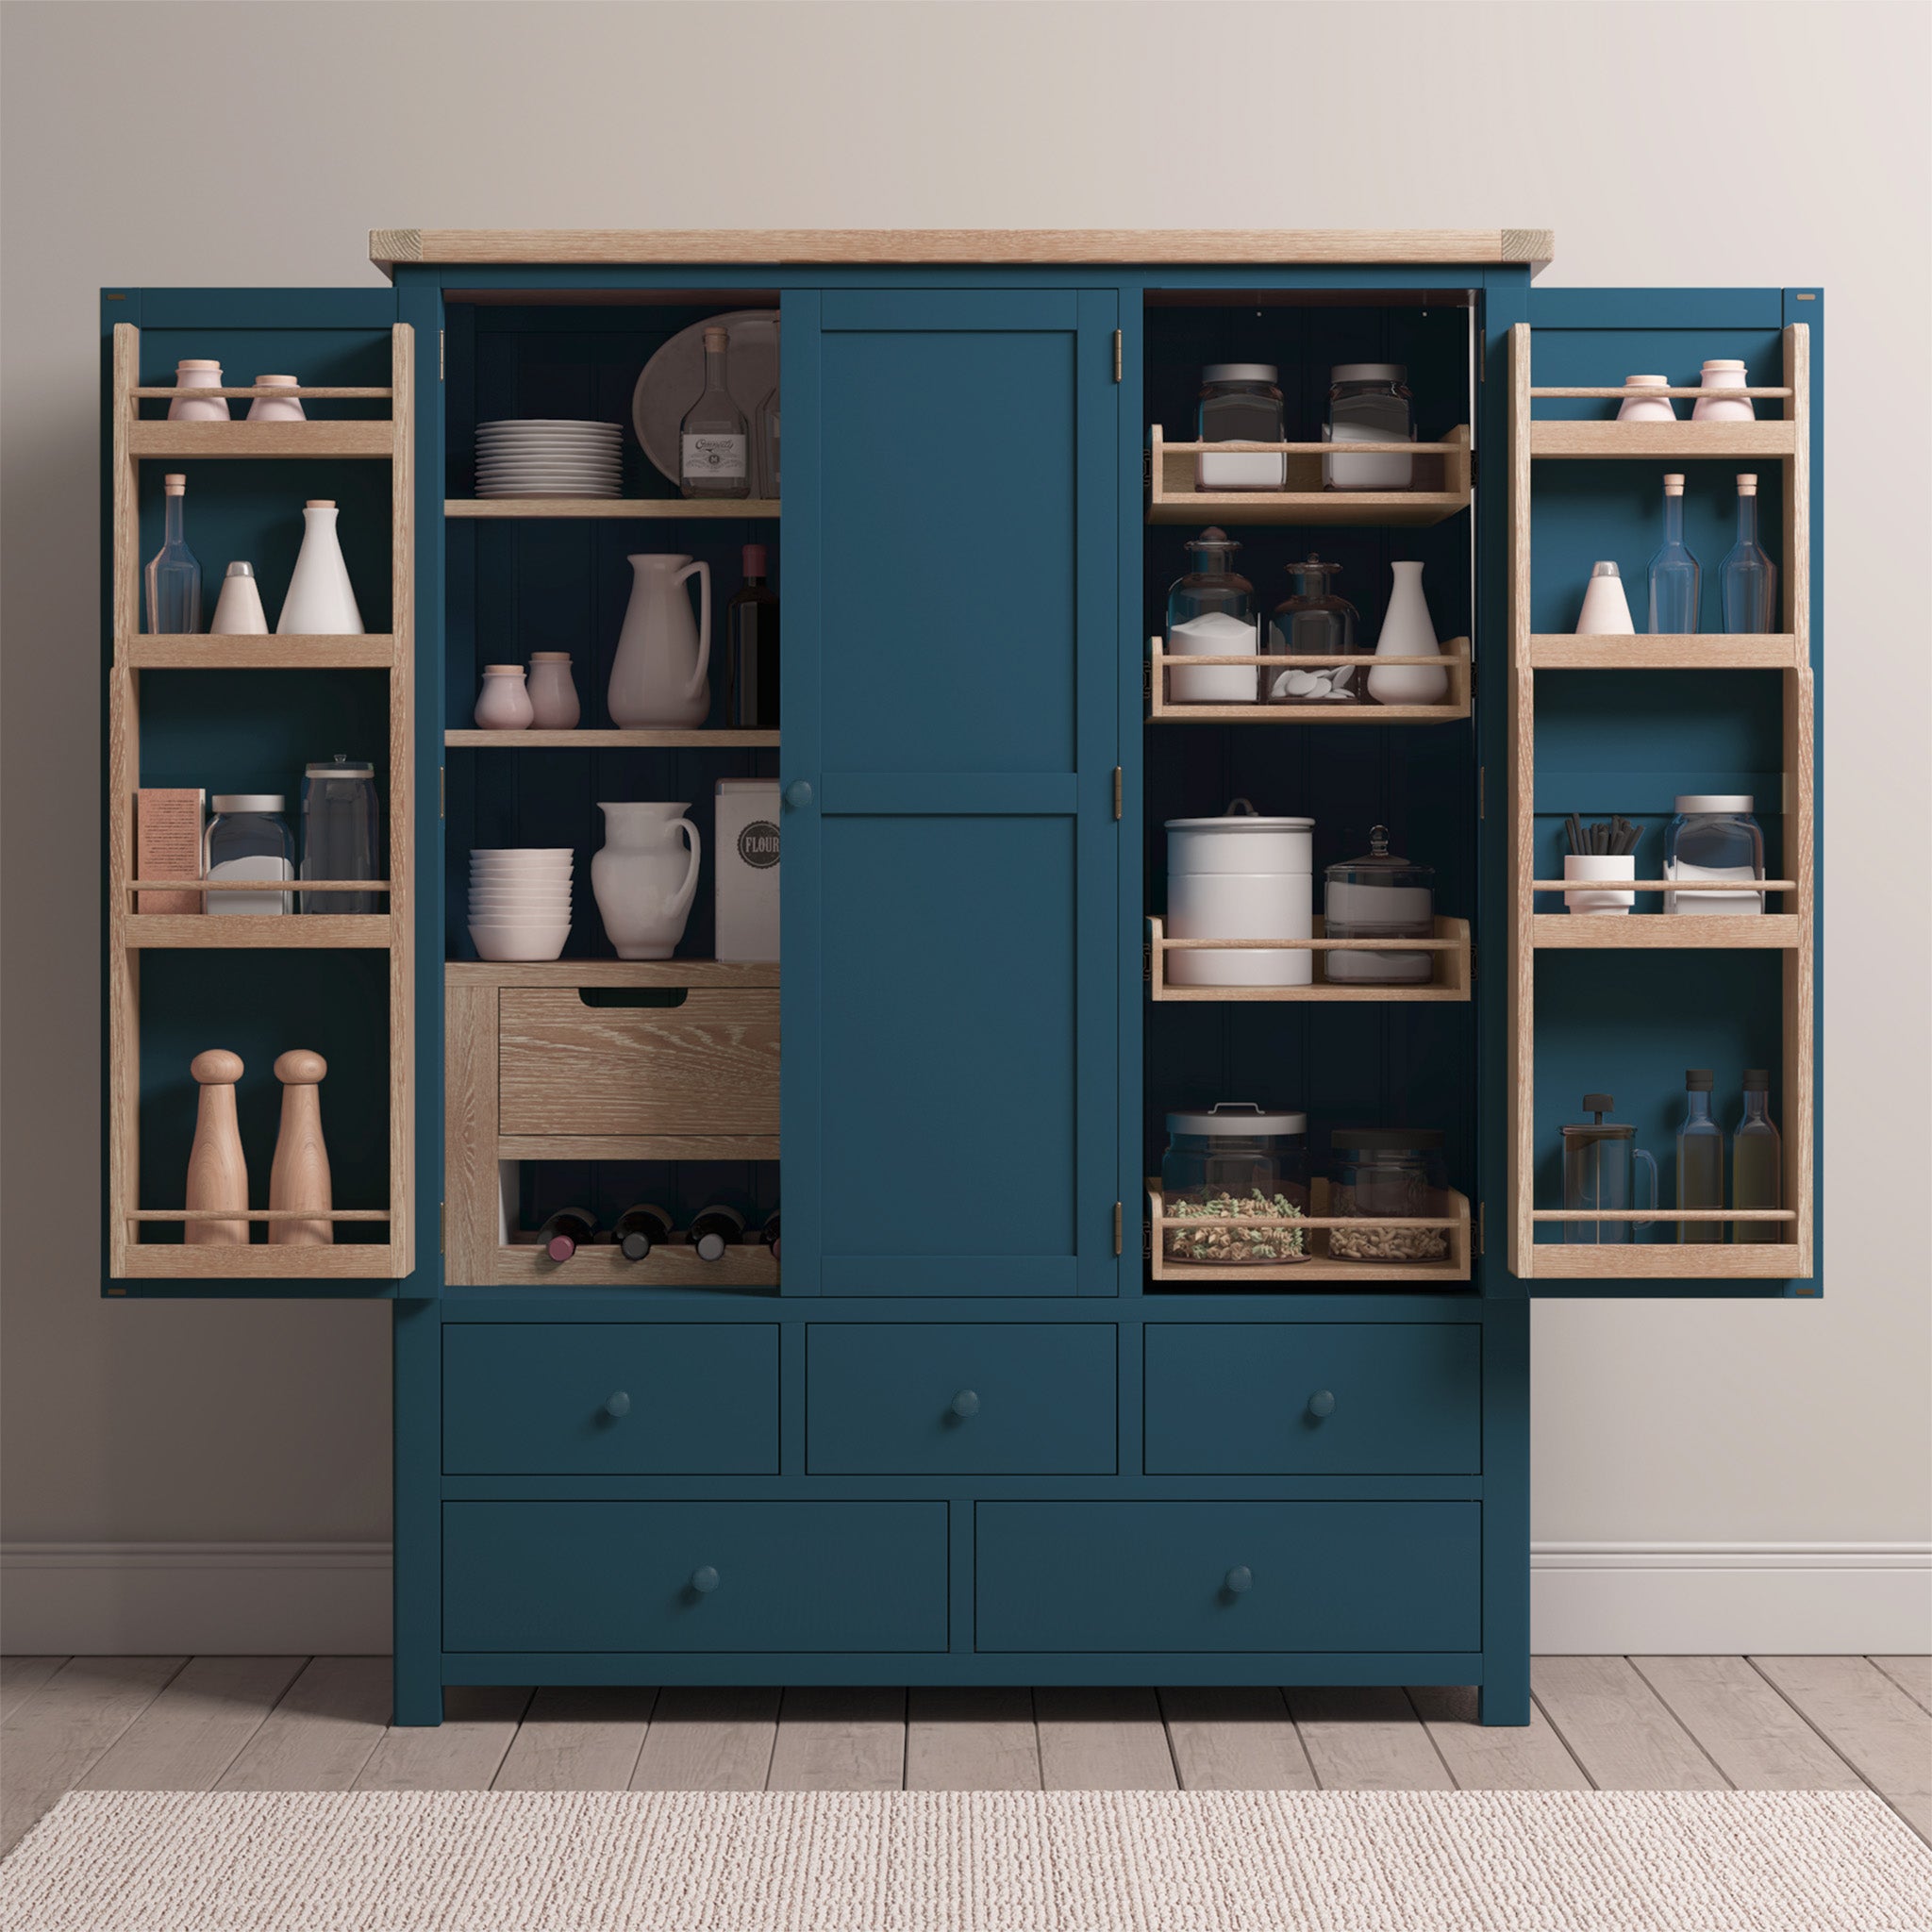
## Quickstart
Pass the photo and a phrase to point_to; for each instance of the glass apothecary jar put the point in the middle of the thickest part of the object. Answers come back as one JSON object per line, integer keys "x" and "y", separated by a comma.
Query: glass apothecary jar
{"x": 1240, "y": 403}
{"x": 1313, "y": 622}
{"x": 341, "y": 833}
{"x": 1713, "y": 837}
{"x": 1384, "y": 1172}
{"x": 1369, "y": 402}
{"x": 1231, "y": 1160}
{"x": 1379, "y": 896}
{"x": 1210, "y": 613}
{"x": 248, "y": 838}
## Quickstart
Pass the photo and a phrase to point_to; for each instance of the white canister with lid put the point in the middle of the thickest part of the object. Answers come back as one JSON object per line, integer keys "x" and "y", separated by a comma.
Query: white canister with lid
{"x": 1241, "y": 876}
{"x": 1639, "y": 407}
{"x": 1723, "y": 375}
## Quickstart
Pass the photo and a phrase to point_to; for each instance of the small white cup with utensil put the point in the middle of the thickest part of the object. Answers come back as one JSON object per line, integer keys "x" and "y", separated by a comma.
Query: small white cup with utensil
{"x": 1599, "y": 865}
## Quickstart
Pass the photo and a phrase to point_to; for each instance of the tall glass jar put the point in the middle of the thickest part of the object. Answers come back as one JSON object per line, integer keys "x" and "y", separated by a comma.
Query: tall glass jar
{"x": 1210, "y": 613}
{"x": 1714, "y": 836}
{"x": 1396, "y": 1172}
{"x": 1313, "y": 622}
{"x": 340, "y": 832}
{"x": 1231, "y": 1160}
{"x": 1240, "y": 403}
{"x": 1379, "y": 896}
{"x": 248, "y": 839}
{"x": 1369, "y": 402}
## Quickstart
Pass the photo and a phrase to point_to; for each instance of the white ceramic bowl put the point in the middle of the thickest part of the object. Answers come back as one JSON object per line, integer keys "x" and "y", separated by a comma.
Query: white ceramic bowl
{"x": 1239, "y": 966}
{"x": 497, "y": 905}
{"x": 520, "y": 942}
{"x": 522, "y": 855}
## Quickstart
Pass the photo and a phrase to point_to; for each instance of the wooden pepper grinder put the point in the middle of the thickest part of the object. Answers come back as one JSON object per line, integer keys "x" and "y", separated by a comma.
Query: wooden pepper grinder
{"x": 217, "y": 1170}
{"x": 300, "y": 1175}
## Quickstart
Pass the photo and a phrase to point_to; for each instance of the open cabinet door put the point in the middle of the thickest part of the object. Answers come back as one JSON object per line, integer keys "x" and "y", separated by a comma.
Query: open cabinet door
{"x": 1622, "y": 1004}
{"x": 332, "y": 972}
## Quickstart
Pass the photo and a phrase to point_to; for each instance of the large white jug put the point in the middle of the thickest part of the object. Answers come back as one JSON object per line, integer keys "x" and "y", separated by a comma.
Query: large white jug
{"x": 661, "y": 672}
{"x": 645, "y": 876}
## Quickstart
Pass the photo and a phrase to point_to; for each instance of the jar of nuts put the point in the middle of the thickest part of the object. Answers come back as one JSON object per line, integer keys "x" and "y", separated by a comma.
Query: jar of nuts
{"x": 1234, "y": 1179}
{"x": 1388, "y": 1172}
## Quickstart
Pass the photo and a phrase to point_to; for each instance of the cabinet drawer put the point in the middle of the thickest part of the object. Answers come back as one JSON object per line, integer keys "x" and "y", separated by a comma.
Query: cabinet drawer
{"x": 1248, "y": 1399}
{"x": 709, "y": 1065}
{"x": 618, "y": 1398}
{"x": 1016, "y": 1398}
{"x": 1167, "y": 1576}
{"x": 694, "y": 1576}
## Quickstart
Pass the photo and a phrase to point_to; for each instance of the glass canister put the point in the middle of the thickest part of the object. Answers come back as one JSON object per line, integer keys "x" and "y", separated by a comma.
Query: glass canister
{"x": 1379, "y": 896}
{"x": 340, "y": 832}
{"x": 1312, "y": 621}
{"x": 1369, "y": 402}
{"x": 1210, "y": 613}
{"x": 1234, "y": 1160}
{"x": 1600, "y": 1157}
{"x": 1713, "y": 837}
{"x": 1240, "y": 403}
{"x": 1395, "y": 1172}
{"x": 248, "y": 839}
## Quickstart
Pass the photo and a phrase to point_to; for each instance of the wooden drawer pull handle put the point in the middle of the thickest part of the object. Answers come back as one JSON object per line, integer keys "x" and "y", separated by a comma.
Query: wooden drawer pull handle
{"x": 618, "y": 1403}
{"x": 1321, "y": 1403}
{"x": 966, "y": 1403}
{"x": 703, "y": 1579}
{"x": 1239, "y": 1580}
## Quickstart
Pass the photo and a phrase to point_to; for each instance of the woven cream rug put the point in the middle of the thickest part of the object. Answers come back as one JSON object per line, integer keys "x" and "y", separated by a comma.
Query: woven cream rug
{"x": 982, "y": 1862}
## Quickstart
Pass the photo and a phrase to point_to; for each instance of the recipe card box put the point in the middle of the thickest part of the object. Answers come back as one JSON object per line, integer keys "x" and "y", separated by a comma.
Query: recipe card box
{"x": 168, "y": 833}
{"x": 745, "y": 880}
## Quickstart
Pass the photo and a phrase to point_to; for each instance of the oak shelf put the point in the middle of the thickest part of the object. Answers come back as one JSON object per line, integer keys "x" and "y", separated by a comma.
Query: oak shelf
{"x": 1669, "y": 1260}
{"x": 373, "y": 651}
{"x": 259, "y": 1261}
{"x": 673, "y": 508}
{"x": 1162, "y": 709}
{"x": 1450, "y": 980}
{"x": 608, "y": 972}
{"x": 246, "y": 931}
{"x": 1663, "y": 932}
{"x": 643, "y": 739}
{"x": 1767, "y": 439}
{"x": 1173, "y": 499}
{"x": 1210, "y": 1276}
{"x": 197, "y": 441}
{"x": 1565, "y": 652}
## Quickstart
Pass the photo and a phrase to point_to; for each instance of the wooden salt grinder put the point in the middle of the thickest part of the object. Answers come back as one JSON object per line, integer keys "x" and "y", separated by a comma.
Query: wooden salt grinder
{"x": 217, "y": 1170}
{"x": 299, "y": 1177}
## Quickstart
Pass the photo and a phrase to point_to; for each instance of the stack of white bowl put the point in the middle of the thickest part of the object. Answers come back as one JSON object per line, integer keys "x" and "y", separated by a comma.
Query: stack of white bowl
{"x": 1241, "y": 876}
{"x": 520, "y": 901}
{"x": 547, "y": 457}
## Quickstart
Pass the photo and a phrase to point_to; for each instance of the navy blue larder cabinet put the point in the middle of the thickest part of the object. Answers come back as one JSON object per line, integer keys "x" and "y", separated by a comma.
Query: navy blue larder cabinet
{"x": 985, "y": 1412}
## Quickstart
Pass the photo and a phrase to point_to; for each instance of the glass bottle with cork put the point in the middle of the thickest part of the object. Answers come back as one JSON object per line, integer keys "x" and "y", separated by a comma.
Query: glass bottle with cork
{"x": 173, "y": 577}
{"x": 1756, "y": 1160}
{"x": 1700, "y": 1159}
{"x": 714, "y": 444}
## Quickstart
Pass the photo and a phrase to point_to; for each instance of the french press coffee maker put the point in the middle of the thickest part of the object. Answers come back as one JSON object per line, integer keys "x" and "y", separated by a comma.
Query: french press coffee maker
{"x": 1598, "y": 1157}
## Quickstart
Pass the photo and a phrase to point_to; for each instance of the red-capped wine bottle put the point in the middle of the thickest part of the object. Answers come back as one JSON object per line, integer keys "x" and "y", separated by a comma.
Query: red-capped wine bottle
{"x": 565, "y": 1232}
{"x": 639, "y": 1229}
{"x": 751, "y": 676}
{"x": 715, "y": 1230}
{"x": 769, "y": 1233}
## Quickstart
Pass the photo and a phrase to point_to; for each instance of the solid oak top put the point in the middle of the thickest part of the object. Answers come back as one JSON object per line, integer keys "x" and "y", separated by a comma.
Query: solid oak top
{"x": 611, "y": 247}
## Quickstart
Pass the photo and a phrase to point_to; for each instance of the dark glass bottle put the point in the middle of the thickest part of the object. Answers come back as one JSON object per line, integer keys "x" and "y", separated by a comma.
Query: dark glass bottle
{"x": 769, "y": 1233}
{"x": 714, "y": 1229}
{"x": 565, "y": 1232}
{"x": 639, "y": 1229}
{"x": 751, "y": 619}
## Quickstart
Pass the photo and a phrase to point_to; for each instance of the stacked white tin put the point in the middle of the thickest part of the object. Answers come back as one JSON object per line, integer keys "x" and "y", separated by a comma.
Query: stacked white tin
{"x": 1241, "y": 876}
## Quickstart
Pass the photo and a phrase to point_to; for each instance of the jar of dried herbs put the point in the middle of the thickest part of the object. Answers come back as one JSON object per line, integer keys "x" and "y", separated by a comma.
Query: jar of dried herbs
{"x": 1234, "y": 1179}
{"x": 1394, "y": 1173}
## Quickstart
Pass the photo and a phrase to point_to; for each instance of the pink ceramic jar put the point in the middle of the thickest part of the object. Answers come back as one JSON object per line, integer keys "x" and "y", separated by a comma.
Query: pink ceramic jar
{"x": 1639, "y": 407}
{"x": 504, "y": 705}
{"x": 276, "y": 409}
{"x": 553, "y": 694}
{"x": 198, "y": 409}
{"x": 1723, "y": 408}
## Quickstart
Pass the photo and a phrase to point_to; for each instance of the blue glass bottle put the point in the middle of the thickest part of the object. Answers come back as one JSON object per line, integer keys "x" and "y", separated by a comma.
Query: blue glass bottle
{"x": 1675, "y": 574}
{"x": 1748, "y": 577}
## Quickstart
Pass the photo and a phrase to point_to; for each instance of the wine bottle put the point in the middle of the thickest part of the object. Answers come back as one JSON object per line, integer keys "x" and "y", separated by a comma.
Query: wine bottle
{"x": 639, "y": 1229}
{"x": 1700, "y": 1159}
{"x": 714, "y": 1229}
{"x": 565, "y": 1232}
{"x": 769, "y": 1233}
{"x": 714, "y": 440}
{"x": 751, "y": 622}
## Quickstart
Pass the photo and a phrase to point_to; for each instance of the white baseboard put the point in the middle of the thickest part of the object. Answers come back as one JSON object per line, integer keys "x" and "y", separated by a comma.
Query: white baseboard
{"x": 296, "y": 1599}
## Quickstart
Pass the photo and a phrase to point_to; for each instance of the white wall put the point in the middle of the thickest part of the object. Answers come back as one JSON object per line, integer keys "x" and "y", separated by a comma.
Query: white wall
{"x": 205, "y": 144}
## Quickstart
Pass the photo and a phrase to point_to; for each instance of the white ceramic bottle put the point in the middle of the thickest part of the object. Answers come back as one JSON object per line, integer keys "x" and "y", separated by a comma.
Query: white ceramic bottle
{"x": 238, "y": 610}
{"x": 1406, "y": 632}
{"x": 554, "y": 705}
{"x": 321, "y": 600}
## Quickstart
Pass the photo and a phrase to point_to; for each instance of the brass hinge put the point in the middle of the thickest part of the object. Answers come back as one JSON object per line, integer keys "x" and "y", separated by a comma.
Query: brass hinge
{"x": 1116, "y": 791}
{"x": 1478, "y": 1228}
{"x": 441, "y": 799}
{"x": 1116, "y": 1226}
{"x": 1116, "y": 355}
{"x": 438, "y": 377}
{"x": 1147, "y": 959}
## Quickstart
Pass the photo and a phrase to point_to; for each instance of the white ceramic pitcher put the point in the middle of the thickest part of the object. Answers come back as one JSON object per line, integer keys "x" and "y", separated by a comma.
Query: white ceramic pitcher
{"x": 645, "y": 877}
{"x": 661, "y": 672}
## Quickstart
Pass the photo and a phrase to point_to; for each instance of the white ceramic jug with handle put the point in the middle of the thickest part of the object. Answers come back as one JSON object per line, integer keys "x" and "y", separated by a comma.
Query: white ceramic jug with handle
{"x": 645, "y": 877}
{"x": 661, "y": 672}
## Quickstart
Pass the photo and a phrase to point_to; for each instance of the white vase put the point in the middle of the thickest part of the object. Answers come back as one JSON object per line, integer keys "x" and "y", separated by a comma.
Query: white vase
{"x": 238, "y": 610}
{"x": 1606, "y": 611}
{"x": 553, "y": 693}
{"x": 1406, "y": 632}
{"x": 661, "y": 672}
{"x": 645, "y": 877}
{"x": 321, "y": 600}
{"x": 503, "y": 703}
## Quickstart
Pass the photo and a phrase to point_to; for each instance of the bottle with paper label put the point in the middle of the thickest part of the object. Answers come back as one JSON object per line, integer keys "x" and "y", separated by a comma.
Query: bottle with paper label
{"x": 714, "y": 443}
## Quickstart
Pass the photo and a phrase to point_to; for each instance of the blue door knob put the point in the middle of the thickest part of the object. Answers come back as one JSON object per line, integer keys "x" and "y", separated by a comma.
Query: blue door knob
{"x": 1238, "y": 1580}
{"x": 798, "y": 794}
{"x": 704, "y": 1580}
{"x": 966, "y": 1403}
{"x": 618, "y": 1404}
{"x": 1321, "y": 1403}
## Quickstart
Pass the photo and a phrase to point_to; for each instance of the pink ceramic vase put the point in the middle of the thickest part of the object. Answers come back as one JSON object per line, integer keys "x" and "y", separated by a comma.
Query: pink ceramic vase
{"x": 504, "y": 705}
{"x": 198, "y": 409}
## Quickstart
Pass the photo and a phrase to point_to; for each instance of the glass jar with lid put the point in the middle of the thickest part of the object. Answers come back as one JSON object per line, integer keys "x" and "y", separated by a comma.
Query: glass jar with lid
{"x": 340, "y": 832}
{"x": 1713, "y": 837}
{"x": 1210, "y": 613}
{"x": 1369, "y": 402}
{"x": 1227, "y": 1164}
{"x": 1388, "y": 1173}
{"x": 1240, "y": 403}
{"x": 1379, "y": 896}
{"x": 248, "y": 838}
{"x": 1313, "y": 622}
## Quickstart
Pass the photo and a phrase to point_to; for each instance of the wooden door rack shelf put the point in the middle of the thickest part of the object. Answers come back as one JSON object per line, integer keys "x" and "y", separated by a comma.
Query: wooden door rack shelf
{"x": 671, "y": 508}
{"x": 370, "y": 652}
{"x": 1703, "y": 652}
{"x": 1450, "y": 977}
{"x": 1317, "y": 1228}
{"x": 652, "y": 738}
{"x": 1442, "y": 470}
{"x": 1165, "y": 709}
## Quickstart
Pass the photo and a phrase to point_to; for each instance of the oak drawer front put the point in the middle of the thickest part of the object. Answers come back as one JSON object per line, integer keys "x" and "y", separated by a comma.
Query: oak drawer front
{"x": 709, "y": 1065}
{"x": 1227, "y": 1577}
{"x": 619, "y": 1398}
{"x": 1015, "y": 1398}
{"x": 694, "y": 1576}
{"x": 1314, "y": 1399}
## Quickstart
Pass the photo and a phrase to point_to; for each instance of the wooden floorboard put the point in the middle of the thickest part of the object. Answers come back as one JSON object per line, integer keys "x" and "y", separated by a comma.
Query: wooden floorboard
{"x": 1616, "y": 1726}
{"x": 1751, "y": 1733}
{"x": 21, "y": 1677}
{"x": 190, "y": 1734}
{"x": 1495, "y": 1758}
{"x": 578, "y": 1737}
{"x": 708, "y": 1740}
{"x": 1234, "y": 1739}
{"x": 1094, "y": 1739}
{"x": 1912, "y": 1674}
{"x": 1368, "y": 1739}
{"x": 1868, "y": 1721}
{"x": 844, "y": 1738}
{"x": 327, "y": 1728}
{"x": 971, "y": 1737}
{"x": 461, "y": 1753}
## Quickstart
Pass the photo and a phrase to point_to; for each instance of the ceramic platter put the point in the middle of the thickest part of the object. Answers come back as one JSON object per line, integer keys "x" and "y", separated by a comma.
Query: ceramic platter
{"x": 674, "y": 379}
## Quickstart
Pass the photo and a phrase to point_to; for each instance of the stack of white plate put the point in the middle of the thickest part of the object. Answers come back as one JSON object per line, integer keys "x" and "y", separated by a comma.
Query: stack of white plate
{"x": 520, "y": 901}
{"x": 547, "y": 458}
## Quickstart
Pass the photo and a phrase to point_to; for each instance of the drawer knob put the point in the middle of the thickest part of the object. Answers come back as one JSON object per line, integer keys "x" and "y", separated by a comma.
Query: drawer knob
{"x": 966, "y": 1403}
{"x": 1321, "y": 1403}
{"x": 618, "y": 1403}
{"x": 798, "y": 794}
{"x": 703, "y": 1579}
{"x": 1239, "y": 1580}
